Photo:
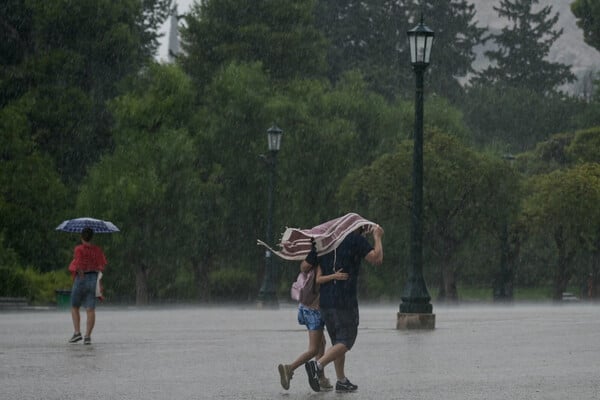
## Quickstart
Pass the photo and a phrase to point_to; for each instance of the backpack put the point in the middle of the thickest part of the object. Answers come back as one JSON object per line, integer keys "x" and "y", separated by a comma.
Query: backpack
{"x": 305, "y": 288}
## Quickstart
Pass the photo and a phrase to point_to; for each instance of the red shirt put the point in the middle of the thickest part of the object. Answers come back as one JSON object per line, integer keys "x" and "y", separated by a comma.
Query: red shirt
{"x": 87, "y": 258}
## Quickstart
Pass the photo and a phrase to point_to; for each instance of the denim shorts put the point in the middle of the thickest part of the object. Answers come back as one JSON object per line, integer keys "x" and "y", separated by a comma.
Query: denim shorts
{"x": 84, "y": 291}
{"x": 311, "y": 318}
{"x": 342, "y": 325}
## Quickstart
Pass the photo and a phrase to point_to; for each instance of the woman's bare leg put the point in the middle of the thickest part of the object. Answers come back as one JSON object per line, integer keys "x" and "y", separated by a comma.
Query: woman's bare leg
{"x": 315, "y": 340}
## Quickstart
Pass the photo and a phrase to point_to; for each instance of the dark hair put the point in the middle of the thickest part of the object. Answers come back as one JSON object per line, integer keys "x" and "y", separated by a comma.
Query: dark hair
{"x": 87, "y": 234}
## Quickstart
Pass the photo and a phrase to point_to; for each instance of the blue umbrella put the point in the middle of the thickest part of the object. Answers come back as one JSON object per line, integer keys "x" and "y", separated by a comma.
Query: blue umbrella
{"x": 78, "y": 224}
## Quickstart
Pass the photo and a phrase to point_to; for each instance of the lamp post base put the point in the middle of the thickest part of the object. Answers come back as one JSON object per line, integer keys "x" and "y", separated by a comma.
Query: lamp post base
{"x": 407, "y": 321}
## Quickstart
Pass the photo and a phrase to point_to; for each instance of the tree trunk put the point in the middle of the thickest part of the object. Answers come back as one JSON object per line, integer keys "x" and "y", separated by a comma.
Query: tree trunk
{"x": 441, "y": 295}
{"x": 202, "y": 269}
{"x": 141, "y": 285}
{"x": 502, "y": 275}
{"x": 563, "y": 274}
{"x": 450, "y": 283}
{"x": 514, "y": 251}
{"x": 560, "y": 284}
{"x": 594, "y": 277}
{"x": 448, "y": 291}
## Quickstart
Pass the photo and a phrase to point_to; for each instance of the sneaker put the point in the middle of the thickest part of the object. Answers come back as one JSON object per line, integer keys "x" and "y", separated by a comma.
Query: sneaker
{"x": 313, "y": 375}
{"x": 325, "y": 385}
{"x": 285, "y": 374}
{"x": 345, "y": 386}
{"x": 87, "y": 340}
{"x": 75, "y": 338}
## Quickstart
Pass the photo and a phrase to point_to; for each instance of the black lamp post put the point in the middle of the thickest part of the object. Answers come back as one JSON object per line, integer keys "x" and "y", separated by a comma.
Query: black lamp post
{"x": 267, "y": 295}
{"x": 416, "y": 298}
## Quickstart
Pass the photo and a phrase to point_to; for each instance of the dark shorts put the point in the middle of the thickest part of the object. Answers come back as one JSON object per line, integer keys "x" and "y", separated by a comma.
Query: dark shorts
{"x": 341, "y": 324}
{"x": 84, "y": 291}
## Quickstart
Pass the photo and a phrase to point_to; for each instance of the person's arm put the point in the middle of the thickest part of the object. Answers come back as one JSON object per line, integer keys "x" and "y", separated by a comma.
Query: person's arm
{"x": 337, "y": 276}
{"x": 73, "y": 264}
{"x": 74, "y": 267}
{"x": 375, "y": 256}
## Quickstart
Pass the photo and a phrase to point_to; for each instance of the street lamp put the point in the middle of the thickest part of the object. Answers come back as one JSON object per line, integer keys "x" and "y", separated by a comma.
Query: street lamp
{"x": 416, "y": 309}
{"x": 267, "y": 296}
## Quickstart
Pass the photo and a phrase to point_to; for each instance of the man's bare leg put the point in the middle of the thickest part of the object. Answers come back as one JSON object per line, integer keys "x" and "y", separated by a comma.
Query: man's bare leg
{"x": 91, "y": 321}
{"x": 339, "y": 367}
{"x": 334, "y": 353}
{"x": 76, "y": 317}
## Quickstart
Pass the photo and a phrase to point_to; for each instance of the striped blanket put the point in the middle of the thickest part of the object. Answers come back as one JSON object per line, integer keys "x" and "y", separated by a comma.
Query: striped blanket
{"x": 296, "y": 243}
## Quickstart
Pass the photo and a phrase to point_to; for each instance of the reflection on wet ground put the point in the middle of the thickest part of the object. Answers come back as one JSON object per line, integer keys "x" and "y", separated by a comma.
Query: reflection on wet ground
{"x": 475, "y": 352}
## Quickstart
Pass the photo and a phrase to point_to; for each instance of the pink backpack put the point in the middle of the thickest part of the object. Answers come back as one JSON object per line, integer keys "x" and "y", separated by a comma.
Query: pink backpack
{"x": 305, "y": 288}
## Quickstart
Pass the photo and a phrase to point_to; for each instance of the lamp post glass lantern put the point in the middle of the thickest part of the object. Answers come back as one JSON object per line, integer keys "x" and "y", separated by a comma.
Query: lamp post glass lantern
{"x": 420, "y": 39}
{"x": 415, "y": 297}
{"x": 267, "y": 296}
{"x": 274, "y": 138}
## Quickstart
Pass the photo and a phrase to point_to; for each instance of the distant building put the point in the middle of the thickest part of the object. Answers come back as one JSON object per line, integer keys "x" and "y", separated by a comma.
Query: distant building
{"x": 173, "y": 49}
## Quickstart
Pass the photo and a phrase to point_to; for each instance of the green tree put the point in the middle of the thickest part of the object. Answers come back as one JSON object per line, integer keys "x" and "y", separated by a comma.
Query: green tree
{"x": 561, "y": 151}
{"x": 327, "y": 132}
{"x": 280, "y": 35}
{"x": 15, "y": 30}
{"x": 371, "y": 36}
{"x": 151, "y": 188}
{"x": 588, "y": 111}
{"x": 31, "y": 195}
{"x": 458, "y": 204}
{"x": 368, "y": 36}
{"x": 514, "y": 119}
{"x": 561, "y": 208}
{"x": 456, "y": 36}
{"x": 585, "y": 147}
{"x": 502, "y": 225}
{"x": 549, "y": 155}
{"x": 69, "y": 58}
{"x": 231, "y": 128}
{"x": 520, "y": 59}
{"x": 587, "y": 13}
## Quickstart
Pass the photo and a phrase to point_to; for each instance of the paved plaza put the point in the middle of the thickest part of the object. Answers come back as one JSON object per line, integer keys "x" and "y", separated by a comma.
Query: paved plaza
{"x": 476, "y": 352}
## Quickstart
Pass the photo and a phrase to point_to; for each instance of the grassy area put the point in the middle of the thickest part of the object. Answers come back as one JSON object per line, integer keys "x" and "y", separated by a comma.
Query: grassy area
{"x": 484, "y": 294}
{"x": 39, "y": 288}
{"x": 481, "y": 294}
{"x": 533, "y": 294}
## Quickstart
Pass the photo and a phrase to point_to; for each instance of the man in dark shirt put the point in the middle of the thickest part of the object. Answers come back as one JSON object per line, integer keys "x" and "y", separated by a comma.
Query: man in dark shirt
{"x": 337, "y": 273}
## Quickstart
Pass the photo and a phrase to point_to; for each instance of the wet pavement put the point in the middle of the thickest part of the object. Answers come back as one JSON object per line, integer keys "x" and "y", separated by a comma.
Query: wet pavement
{"x": 475, "y": 352}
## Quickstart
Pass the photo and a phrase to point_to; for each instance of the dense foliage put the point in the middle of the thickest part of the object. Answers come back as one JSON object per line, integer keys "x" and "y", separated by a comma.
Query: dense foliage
{"x": 588, "y": 19}
{"x": 520, "y": 58}
{"x": 173, "y": 154}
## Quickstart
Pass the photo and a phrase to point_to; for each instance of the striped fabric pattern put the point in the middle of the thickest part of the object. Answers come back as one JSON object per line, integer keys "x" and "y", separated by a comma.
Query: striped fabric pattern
{"x": 295, "y": 243}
